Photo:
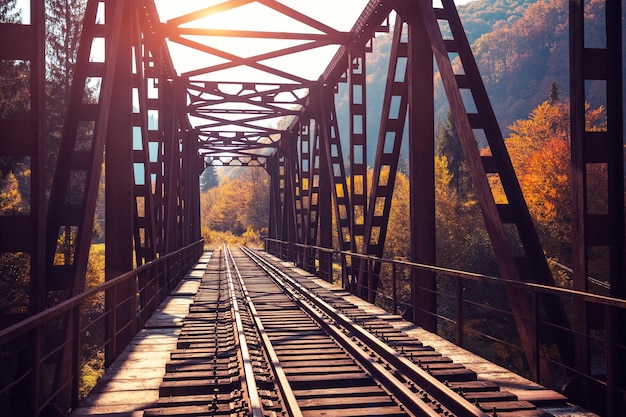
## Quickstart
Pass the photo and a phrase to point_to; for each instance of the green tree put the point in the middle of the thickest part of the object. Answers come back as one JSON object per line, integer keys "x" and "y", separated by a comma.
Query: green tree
{"x": 553, "y": 95}
{"x": 208, "y": 179}
{"x": 447, "y": 144}
{"x": 63, "y": 24}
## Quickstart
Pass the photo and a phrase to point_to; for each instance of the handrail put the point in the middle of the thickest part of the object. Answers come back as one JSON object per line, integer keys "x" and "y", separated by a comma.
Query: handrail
{"x": 594, "y": 298}
{"x": 35, "y": 320}
{"x": 55, "y": 336}
{"x": 456, "y": 315}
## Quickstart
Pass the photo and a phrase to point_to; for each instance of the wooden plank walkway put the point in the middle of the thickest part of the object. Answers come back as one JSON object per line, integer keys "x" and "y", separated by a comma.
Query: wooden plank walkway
{"x": 132, "y": 383}
{"x": 524, "y": 389}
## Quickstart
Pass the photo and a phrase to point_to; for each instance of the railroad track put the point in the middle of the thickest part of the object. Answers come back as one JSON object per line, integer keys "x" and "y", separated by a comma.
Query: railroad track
{"x": 258, "y": 342}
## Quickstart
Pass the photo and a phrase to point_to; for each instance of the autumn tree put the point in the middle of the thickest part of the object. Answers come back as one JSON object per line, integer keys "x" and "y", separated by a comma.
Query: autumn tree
{"x": 554, "y": 93}
{"x": 509, "y": 46}
{"x": 397, "y": 242}
{"x": 540, "y": 151}
{"x": 14, "y": 266}
{"x": 238, "y": 203}
{"x": 10, "y": 196}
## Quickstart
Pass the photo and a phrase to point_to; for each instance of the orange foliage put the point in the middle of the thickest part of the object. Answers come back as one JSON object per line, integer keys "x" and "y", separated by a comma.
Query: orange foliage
{"x": 539, "y": 148}
{"x": 546, "y": 185}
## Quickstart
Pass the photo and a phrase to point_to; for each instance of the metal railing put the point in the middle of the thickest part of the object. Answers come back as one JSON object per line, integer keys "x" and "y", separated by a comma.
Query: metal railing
{"x": 51, "y": 359}
{"x": 472, "y": 311}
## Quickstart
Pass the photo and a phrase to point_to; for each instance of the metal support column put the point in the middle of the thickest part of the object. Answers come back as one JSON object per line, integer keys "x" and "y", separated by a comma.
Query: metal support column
{"x": 120, "y": 182}
{"x": 422, "y": 170}
{"x": 598, "y": 227}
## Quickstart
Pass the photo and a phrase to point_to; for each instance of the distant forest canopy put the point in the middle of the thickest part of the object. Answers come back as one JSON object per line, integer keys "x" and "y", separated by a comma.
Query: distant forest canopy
{"x": 521, "y": 47}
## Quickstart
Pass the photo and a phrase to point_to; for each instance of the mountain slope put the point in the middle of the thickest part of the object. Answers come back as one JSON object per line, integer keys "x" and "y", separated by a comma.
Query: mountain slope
{"x": 521, "y": 47}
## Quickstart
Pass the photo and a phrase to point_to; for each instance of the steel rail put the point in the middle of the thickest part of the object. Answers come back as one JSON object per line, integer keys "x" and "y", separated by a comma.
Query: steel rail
{"x": 358, "y": 340}
{"x": 289, "y": 399}
{"x": 255, "y": 404}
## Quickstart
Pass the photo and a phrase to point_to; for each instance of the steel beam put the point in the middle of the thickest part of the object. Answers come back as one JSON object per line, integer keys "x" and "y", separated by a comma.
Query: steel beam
{"x": 23, "y": 138}
{"x": 421, "y": 128}
{"x": 598, "y": 233}
{"x": 393, "y": 117}
{"x": 357, "y": 97}
{"x": 120, "y": 182}
{"x": 314, "y": 180}
{"x": 509, "y": 225}
{"x": 145, "y": 185}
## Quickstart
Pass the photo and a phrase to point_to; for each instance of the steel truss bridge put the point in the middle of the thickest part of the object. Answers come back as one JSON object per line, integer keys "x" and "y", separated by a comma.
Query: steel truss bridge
{"x": 169, "y": 103}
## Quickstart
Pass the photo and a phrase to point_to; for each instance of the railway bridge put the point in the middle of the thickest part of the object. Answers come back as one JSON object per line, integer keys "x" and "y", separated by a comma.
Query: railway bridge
{"x": 159, "y": 93}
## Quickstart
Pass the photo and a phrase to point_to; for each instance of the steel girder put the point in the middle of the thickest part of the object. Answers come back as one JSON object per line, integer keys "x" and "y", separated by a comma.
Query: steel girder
{"x": 151, "y": 158}
{"x": 395, "y": 104}
{"x": 509, "y": 225}
{"x": 151, "y": 162}
{"x": 22, "y": 136}
{"x": 598, "y": 231}
{"x": 422, "y": 171}
{"x": 236, "y": 120}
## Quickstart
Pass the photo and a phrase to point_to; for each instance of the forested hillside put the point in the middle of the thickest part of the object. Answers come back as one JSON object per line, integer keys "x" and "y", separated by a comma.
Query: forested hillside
{"x": 483, "y": 16}
{"x": 521, "y": 47}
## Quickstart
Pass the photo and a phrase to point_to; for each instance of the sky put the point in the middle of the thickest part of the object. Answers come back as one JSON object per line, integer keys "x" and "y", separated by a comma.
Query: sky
{"x": 314, "y": 5}
{"x": 308, "y": 64}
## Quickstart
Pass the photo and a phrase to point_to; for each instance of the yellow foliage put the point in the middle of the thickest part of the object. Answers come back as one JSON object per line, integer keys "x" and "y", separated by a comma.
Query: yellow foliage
{"x": 10, "y": 197}
{"x": 398, "y": 239}
{"x": 238, "y": 203}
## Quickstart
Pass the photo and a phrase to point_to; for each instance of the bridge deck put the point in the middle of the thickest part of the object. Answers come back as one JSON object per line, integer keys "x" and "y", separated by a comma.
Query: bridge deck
{"x": 132, "y": 383}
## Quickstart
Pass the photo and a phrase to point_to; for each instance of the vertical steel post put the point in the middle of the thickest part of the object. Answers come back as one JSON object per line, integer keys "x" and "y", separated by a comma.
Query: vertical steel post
{"x": 393, "y": 118}
{"x": 598, "y": 231}
{"x": 357, "y": 88}
{"x": 272, "y": 170}
{"x": 37, "y": 291}
{"x": 120, "y": 181}
{"x": 421, "y": 170}
{"x": 577, "y": 129}
{"x": 325, "y": 213}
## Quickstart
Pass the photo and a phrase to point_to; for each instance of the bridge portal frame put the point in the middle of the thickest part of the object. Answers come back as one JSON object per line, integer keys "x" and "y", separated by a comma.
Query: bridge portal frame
{"x": 171, "y": 210}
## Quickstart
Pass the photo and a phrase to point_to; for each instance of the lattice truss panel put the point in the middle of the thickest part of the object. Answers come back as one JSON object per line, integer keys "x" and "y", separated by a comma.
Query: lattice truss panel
{"x": 240, "y": 122}
{"x": 124, "y": 99}
{"x": 361, "y": 211}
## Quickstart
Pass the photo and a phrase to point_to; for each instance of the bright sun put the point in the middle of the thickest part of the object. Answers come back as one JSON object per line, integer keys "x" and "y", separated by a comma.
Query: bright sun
{"x": 204, "y": 40}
